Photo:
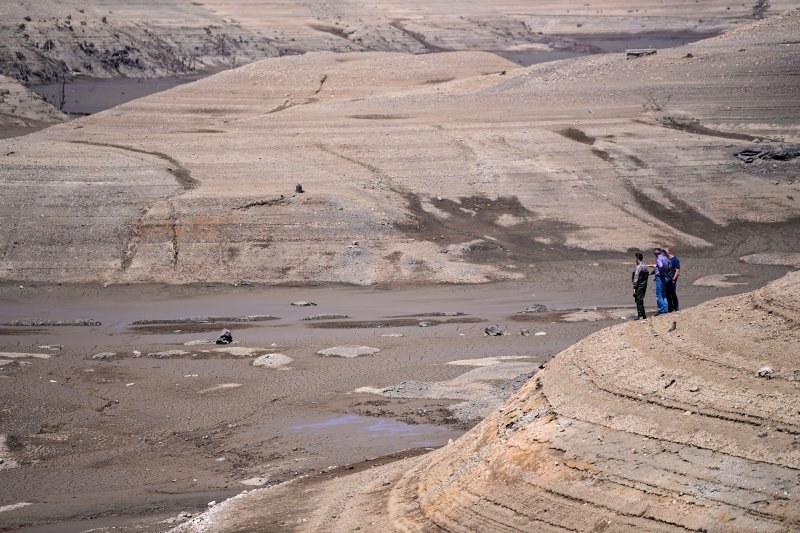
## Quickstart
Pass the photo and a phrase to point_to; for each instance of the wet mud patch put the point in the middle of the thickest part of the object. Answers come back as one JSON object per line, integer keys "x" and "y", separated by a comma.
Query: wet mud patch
{"x": 476, "y": 220}
{"x": 21, "y": 331}
{"x": 735, "y": 239}
{"x": 547, "y": 316}
{"x": 165, "y": 329}
{"x": 390, "y": 323}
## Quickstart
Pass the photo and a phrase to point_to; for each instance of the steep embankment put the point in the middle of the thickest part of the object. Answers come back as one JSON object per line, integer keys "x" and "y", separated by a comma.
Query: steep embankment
{"x": 442, "y": 167}
{"x": 23, "y": 111}
{"x": 685, "y": 422}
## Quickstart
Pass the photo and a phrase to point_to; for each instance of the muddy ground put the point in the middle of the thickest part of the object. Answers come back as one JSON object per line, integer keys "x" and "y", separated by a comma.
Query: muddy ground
{"x": 116, "y": 427}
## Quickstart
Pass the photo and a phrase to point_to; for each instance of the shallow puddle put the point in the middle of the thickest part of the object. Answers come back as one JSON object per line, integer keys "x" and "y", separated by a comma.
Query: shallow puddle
{"x": 365, "y": 428}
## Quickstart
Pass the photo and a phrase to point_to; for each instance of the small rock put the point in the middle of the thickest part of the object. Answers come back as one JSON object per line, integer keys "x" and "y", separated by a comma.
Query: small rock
{"x": 299, "y": 189}
{"x": 494, "y": 330}
{"x": 765, "y": 372}
{"x": 694, "y": 389}
{"x": 102, "y": 356}
{"x": 761, "y": 434}
{"x": 539, "y": 334}
{"x": 425, "y": 324}
{"x": 525, "y": 333}
{"x": 212, "y": 503}
{"x": 137, "y": 354}
{"x": 670, "y": 383}
{"x": 386, "y": 482}
{"x": 535, "y": 308}
{"x": 303, "y": 303}
{"x": 226, "y": 337}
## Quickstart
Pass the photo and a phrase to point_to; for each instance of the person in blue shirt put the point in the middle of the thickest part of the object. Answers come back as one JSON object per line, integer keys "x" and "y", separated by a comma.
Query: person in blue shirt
{"x": 661, "y": 271}
{"x": 672, "y": 281}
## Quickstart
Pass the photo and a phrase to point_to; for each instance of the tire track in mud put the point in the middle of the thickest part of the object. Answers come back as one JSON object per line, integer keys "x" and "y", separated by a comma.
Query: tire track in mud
{"x": 185, "y": 181}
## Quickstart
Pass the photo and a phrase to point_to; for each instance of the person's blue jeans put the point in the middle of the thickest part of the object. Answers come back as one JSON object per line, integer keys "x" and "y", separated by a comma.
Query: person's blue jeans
{"x": 661, "y": 294}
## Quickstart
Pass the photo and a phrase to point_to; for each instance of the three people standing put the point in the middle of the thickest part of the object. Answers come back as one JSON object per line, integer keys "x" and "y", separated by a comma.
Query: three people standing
{"x": 666, "y": 270}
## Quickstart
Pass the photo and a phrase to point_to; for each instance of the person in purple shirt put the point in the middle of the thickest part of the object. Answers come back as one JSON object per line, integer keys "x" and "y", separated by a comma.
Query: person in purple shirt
{"x": 672, "y": 281}
{"x": 661, "y": 273}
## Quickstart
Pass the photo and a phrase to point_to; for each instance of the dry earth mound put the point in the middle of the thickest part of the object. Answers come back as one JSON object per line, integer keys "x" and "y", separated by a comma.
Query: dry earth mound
{"x": 410, "y": 177}
{"x": 686, "y": 422}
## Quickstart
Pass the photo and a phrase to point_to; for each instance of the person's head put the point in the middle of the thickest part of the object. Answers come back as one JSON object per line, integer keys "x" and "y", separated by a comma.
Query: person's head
{"x": 667, "y": 252}
{"x": 639, "y": 257}
{"x": 657, "y": 251}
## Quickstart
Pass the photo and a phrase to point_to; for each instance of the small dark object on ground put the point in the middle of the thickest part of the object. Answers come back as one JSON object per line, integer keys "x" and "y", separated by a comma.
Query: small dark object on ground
{"x": 633, "y": 53}
{"x": 525, "y": 333}
{"x": 299, "y": 189}
{"x": 535, "y": 308}
{"x": 494, "y": 330}
{"x": 783, "y": 153}
{"x": 225, "y": 337}
{"x": 688, "y": 56}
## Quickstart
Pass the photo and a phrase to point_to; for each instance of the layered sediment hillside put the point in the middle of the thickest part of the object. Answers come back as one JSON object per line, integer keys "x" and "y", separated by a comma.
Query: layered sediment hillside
{"x": 49, "y": 40}
{"x": 685, "y": 422}
{"x": 22, "y": 109}
{"x": 435, "y": 168}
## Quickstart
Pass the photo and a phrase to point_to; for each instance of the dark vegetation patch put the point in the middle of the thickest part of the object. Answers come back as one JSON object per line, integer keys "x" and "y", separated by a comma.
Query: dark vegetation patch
{"x": 506, "y": 243}
{"x": 602, "y": 154}
{"x": 14, "y": 442}
{"x": 436, "y": 81}
{"x": 691, "y": 125}
{"x": 735, "y": 239}
{"x": 333, "y": 30}
{"x": 577, "y": 135}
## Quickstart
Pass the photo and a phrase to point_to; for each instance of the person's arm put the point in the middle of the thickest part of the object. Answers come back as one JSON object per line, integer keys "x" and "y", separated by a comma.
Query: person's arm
{"x": 677, "y": 274}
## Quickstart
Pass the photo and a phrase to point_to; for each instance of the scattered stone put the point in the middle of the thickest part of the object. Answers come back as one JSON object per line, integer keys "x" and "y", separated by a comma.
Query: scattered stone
{"x": 525, "y": 333}
{"x": 674, "y": 326}
{"x": 225, "y": 337}
{"x": 299, "y": 189}
{"x": 426, "y": 324}
{"x": 761, "y": 434}
{"x": 212, "y": 503}
{"x": 765, "y": 372}
{"x": 348, "y": 351}
{"x": 535, "y": 308}
{"x": 540, "y": 334}
{"x": 199, "y": 342}
{"x": 50, "y": 323}
{"x": 167, "y": 353}
{"x": 325, "y": 316}
{"x": 695, "y": 388}
{"x": 102, "y": 356}
{"x": 303, "y": 303}
{"x": 386, "y": 482}
{"x": 272, "y": 360}
{"x": 18, "y": 355}
{"x": 137, "y": 354}
{"x": 494, "y": 330}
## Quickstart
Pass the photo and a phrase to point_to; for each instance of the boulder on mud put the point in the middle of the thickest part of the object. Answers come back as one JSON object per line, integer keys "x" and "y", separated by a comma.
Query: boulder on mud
{"x": 494, "y": 330}
{"x": 226, "y": 337}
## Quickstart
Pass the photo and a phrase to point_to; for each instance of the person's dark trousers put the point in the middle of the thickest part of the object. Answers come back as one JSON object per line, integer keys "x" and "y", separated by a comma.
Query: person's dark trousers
{"x": 672, "y": 296}
{"x": 641, "y": 289}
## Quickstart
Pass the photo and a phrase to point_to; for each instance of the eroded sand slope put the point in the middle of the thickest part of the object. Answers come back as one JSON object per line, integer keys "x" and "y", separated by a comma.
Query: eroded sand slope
{"x": 663, "y": 425}
{"x": 442, "y": 167}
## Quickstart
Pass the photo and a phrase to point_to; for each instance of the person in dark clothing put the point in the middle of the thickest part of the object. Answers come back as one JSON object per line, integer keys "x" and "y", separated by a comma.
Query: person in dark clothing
{"x": 672, "y": 281}
{"x": 639, "y": 279}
